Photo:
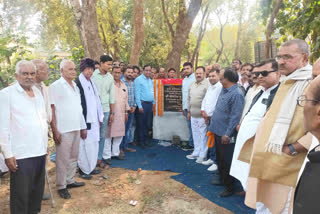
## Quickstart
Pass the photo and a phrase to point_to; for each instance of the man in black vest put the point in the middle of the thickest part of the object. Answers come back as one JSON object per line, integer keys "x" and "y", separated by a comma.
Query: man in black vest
{"x": 93, "y": 115}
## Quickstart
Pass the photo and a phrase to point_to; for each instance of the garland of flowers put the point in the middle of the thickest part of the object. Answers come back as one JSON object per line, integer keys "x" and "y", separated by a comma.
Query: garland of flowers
{"x": 155, "y": 94}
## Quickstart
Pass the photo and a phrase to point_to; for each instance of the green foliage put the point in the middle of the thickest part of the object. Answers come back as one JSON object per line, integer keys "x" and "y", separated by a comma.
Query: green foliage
{"x": 301, "y": 19}
{"x": 12, "y": 49}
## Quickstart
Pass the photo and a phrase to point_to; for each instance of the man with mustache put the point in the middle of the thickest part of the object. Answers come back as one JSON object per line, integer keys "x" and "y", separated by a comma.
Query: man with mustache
{"x": 280, "y": 145}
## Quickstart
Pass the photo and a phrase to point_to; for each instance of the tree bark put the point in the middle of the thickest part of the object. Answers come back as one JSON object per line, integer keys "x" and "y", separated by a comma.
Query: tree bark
{"x": 270, "y": 28}
{"x": 86, "y": 17}
{"x": 138, "y": 31}
{"x": 183, "y": 27}
{"x": 202, "y": 30}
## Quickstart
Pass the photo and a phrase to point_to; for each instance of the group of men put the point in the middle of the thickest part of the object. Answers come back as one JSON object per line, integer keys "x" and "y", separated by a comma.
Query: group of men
{"x": 245, "y": 121}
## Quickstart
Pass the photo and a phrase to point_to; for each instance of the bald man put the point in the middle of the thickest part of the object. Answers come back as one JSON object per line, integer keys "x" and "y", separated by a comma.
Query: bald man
{"x": 316, "y": 69}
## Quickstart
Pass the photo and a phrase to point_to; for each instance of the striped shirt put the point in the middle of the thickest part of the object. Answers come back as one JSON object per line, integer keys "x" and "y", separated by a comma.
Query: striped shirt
{"x": 130, "y": 87}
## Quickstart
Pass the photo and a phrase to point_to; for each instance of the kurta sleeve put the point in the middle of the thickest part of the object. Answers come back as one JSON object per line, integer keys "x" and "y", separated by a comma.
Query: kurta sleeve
{"x": 5, "y": 144}
{"x": 306, "y": 140}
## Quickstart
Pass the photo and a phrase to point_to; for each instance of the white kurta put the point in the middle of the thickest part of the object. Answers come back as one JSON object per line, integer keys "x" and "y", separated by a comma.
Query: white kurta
{"x": 88, "y": 148}
{"x": 3, "y": 166}
{"x": 248, "y": 128}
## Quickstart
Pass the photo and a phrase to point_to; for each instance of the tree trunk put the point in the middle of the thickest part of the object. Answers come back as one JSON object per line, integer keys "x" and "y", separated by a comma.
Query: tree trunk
{"x": 241, "y": 12}
{"x": 270, "y": 28}
{"x": 202, "y": 30}
{"x": 138, "y": 31}
{"x": 183, "y": 27}
{"x": 86, "y": 17}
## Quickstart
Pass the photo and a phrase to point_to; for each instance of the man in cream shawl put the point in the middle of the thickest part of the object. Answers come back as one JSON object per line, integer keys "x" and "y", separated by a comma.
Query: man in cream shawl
{"x": 277, "y": 151}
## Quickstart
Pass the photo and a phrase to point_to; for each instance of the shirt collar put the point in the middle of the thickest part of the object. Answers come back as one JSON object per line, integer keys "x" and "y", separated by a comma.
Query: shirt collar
{"x": 232, "y": 88}
{"x": 271, "y": 88}
{"x": 20, "y": 89}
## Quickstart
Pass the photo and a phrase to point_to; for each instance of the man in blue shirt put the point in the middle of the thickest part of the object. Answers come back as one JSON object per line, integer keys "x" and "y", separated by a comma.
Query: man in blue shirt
{"x": 189, "y": 78}
{"x": 144, "y": 94}
{"x": 128, "y": 80}
{"x": 224, "y": 121}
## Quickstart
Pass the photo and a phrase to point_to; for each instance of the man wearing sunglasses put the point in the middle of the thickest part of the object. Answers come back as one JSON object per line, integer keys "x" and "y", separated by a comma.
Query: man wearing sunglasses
{"x": 280, "y": 143}
{"x": 268, "y": 77}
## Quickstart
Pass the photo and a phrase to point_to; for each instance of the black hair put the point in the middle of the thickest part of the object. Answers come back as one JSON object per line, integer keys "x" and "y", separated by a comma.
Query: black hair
{"x": 128, "y": 67}
{"x": 116, "y": 67}
{"x": 136, "y": 67}
{"x": 215, "y": 70}
{"x": 201, "y": 67}
{"x": 231, "y": 75}
{"x": 187, "y": 64}
{"x": 146, "y": 66}
{"x": 105, "y": 58}
{"x": 274, "y": 63}
{"x": 96, "y": 63}
{"x": 247, "y": 64}
{"x": 172, "y": 69}
{"x": 86, "y": 63}
{"x": 238, "y": 61}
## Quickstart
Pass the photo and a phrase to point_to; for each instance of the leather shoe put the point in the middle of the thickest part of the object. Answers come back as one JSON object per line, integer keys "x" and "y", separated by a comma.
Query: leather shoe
{"x": 64, "y": 193}
{"x": 75, "y": 185}
{"x": 107, "y": 161}
{"x": 95, "y": 172}
{"x": 225, "y": 193}
{"x": 85, "y": 176}
{"x": 119, "y": 157}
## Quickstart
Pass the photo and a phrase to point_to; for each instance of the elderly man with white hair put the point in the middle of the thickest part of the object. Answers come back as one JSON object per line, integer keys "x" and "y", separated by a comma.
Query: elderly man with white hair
{"x": 24, "y": 149}
{"x": 67, "y": 125}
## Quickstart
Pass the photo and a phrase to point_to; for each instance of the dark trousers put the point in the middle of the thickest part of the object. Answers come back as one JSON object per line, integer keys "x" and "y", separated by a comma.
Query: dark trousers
{"x": 27, "y": 185}
{"x": 142, "y": 122}
{"x": 224, "y": 153}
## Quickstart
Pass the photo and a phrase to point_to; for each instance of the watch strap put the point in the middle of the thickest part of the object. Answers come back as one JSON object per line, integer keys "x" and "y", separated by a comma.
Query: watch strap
{"x": 293, "y": 151}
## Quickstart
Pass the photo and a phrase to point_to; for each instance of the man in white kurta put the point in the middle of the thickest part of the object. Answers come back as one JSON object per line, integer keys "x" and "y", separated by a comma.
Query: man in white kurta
{"x": 93, "y": 114}
{"x": 251, "y": 121}
{"x": 207, "y": 107}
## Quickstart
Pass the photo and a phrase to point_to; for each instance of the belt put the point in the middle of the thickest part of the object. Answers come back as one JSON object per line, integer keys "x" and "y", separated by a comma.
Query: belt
{"x": 147, "y": 102}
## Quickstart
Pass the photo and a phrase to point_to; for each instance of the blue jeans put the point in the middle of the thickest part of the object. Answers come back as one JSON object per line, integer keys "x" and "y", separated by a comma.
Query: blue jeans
{"x": 127, "y": 138}
{"x": 189, "y": 126}
{"x": 142, "y": 122}
{"x": 103, "y": 133}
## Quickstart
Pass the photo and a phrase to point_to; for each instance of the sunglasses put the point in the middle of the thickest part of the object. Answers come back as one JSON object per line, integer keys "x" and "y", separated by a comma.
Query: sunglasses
{"x": 263, "y": 73}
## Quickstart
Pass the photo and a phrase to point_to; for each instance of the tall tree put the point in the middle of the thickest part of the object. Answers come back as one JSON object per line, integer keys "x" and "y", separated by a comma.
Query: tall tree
{"x": 202, "y": 30}
{"x": 240, "y": 10}
{"x": 86, "y": 17}
{"x": 138, "y": 30}
{"x": 183, "y": 26}
{"x": 270, "y": 27}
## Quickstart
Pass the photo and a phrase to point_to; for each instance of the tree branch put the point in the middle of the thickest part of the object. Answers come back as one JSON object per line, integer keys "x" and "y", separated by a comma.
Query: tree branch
{"x": 167, "y": 19}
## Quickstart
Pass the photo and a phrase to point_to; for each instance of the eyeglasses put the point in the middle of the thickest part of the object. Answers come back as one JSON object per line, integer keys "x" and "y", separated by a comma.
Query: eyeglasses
{"x": 263, "y": 73}
{"x": 301, "y": 101}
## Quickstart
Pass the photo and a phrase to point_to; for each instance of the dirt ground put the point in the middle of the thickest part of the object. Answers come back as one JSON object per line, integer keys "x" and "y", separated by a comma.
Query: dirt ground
{"x": 154, "y": 191}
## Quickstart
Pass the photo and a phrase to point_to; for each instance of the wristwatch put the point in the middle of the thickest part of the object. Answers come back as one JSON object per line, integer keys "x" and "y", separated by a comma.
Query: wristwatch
{"x": 293, "y": 151}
